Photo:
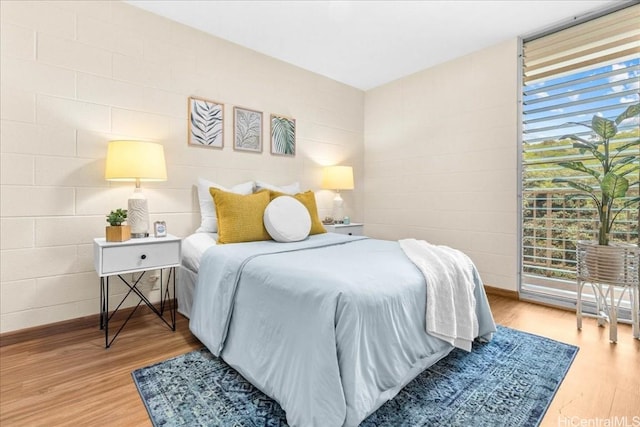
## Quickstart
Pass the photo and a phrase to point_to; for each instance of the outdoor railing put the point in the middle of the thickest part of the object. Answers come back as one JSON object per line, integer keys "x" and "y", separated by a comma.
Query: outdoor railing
{"x": 553, "y": 223}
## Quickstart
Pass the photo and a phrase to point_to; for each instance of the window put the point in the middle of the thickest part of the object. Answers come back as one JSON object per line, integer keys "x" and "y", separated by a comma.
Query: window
{"x": 568, "y": 76}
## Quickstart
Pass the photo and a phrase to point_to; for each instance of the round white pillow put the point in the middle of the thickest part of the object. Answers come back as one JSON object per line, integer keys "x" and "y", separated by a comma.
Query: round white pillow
{"x": 287, "y": 220}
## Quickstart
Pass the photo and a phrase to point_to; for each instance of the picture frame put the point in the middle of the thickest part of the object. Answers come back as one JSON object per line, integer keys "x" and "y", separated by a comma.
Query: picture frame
{"x": 283, "y": 135}
{"x": 205, "y": 123}
{"x": 247, "y": 130}
{"x": 160, "y": 229}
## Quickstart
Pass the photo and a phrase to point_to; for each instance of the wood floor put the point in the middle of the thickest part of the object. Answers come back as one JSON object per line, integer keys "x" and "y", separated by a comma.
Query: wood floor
{"x": 70, "y": 379}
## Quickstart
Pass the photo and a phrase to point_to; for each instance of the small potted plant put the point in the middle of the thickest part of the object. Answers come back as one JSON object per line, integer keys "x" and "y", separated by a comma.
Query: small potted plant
{"x": 116, "y": 231}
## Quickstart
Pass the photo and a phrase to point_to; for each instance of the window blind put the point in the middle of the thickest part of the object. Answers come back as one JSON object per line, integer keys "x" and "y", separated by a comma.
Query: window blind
{"x": 608, "y": 39}
{"x": 568, "y": 76}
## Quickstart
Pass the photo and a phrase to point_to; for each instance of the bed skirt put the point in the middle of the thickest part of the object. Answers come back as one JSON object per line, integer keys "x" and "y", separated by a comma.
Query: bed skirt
{"x": 185, "y": 287}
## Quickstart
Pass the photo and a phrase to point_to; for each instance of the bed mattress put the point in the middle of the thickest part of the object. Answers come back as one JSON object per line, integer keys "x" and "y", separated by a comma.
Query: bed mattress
{"x": 193, "y": 247}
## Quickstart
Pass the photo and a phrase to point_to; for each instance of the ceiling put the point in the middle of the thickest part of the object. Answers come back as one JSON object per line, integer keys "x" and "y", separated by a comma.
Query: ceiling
{"x": 365, "y": 44}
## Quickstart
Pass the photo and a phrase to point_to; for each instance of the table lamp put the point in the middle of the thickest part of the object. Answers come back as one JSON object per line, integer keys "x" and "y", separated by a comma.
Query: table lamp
{"x": 337, "y": 178}
{"x": 136, "y": 161}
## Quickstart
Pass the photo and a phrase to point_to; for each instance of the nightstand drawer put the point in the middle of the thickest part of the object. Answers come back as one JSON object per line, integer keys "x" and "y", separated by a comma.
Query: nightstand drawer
{"x": 349, "y": 229}
{"x": 125, "y": 258}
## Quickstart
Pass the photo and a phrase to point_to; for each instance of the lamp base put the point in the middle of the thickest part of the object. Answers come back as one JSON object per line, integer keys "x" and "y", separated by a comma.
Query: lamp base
{"x": 138, "y": 215}
{"x": 338, "y": 204}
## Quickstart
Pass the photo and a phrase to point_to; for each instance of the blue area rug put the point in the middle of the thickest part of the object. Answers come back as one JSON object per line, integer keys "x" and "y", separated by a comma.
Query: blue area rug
{"x": 508, "y": 381}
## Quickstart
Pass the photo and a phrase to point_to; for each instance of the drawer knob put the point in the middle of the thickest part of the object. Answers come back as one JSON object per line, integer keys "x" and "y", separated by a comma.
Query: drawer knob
{"x": 143, "y": 256}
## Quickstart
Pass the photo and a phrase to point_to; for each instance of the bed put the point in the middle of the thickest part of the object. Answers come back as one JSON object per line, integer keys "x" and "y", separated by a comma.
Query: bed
{"x": 330, "y": 327}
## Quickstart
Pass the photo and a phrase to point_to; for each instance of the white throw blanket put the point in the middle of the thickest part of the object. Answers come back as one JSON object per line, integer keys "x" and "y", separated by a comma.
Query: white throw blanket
{"x": 450, "y": 311}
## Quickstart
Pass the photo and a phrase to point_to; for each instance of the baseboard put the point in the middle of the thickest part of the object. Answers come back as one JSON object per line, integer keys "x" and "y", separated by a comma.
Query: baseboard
{"x": 490, "y": 290}
{"x": 28, "y": 334}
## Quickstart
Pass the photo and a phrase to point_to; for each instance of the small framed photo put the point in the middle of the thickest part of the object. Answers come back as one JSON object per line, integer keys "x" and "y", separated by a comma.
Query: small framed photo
{"x": 205, "y": 123}
{"x": 160, "y": 229}
{"x": 247, "y": 130}
{"x": 283, "y": 135}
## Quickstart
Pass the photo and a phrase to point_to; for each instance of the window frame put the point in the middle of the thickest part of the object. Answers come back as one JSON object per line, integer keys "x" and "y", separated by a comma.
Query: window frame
{"x": 563, "y": 296}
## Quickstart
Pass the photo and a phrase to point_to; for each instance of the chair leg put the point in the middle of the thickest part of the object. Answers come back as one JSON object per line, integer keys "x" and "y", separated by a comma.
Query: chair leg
{"x": 603, "y": 306}
{"x": 613, "y": 317}
{"x": 579, "y": 305}
{"x": 635, "y": 315}
{"x": 601, "y": 302}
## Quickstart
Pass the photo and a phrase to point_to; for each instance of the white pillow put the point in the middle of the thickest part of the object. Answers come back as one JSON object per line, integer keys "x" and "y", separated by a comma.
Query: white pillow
{"x": 209, "y": 222}
{"x": 286, "y": 189}
{"x": 287, "y": 220}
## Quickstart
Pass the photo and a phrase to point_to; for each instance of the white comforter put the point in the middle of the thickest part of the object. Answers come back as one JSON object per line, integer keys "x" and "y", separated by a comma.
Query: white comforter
{"x": 331, "y": 327}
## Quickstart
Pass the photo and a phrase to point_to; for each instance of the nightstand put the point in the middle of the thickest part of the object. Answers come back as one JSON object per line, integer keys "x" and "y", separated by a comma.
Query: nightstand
{"x": 133, "y": 256}
{"x": 353, "y": 229}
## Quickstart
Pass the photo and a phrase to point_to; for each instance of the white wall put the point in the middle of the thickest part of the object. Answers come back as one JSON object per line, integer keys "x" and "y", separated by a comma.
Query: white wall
{"x": 441, "y": 151}
{"x": 76, "y": 74}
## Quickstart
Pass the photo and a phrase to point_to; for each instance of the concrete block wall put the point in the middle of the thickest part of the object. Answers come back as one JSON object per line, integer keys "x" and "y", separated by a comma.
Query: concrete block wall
{"x": 441, "y": 156}
{"x": 77, "y": 74}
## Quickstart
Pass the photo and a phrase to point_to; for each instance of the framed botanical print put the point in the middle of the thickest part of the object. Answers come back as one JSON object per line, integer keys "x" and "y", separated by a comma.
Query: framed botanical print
{"x": 247, "y": 130}
{"x": 283, "y": 135}
{"x": 205, "y": 123}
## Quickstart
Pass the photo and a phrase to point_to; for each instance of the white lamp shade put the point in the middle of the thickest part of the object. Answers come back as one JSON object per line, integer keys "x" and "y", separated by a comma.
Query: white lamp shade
{"x": 135, "y": 161}
{"x": 337, "y": 178}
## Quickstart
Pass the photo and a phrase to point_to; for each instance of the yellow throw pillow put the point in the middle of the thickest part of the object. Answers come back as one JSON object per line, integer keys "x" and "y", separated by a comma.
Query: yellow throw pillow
{"x": 308, "y": 199}
{"x": 240, "y": 216}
